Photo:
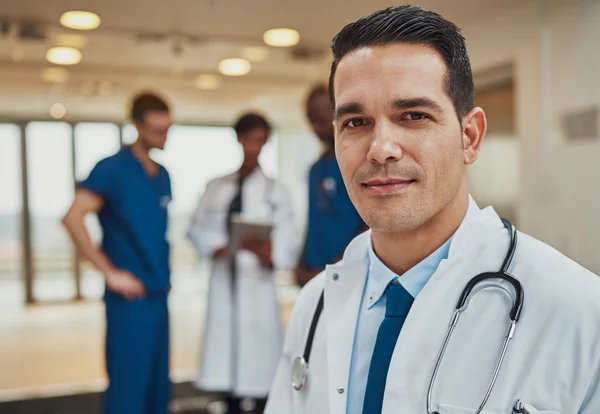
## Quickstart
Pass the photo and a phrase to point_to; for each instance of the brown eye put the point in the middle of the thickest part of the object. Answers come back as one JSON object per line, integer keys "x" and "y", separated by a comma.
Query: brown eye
{"x": 354, "y": 123}
{"x": 416, "y": 116}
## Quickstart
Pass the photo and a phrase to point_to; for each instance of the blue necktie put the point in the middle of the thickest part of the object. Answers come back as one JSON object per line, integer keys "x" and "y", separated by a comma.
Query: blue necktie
{"x": 397, "y": 306}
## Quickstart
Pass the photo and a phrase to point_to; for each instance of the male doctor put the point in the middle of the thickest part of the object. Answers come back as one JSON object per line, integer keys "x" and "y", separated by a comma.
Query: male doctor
{"x": 406, "y": 130}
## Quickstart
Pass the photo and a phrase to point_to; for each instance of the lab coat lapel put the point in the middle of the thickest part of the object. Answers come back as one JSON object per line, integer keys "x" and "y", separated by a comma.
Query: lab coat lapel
{"x": 254, "y": 195}
{"x": 344, "y": 286}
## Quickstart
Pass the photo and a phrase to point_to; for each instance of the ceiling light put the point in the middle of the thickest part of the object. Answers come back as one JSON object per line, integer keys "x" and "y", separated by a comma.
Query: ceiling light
{"x": 55, "y": 75}
{"x": 255, "y": 53}
{"x": 80, "y": 20}
{"x": 234, "y": 67}
{"x": 281, "y": 37}
{"x": 58, "y": 111}
{"x": 63, "y": 56}
{"x": 207, "y": 82}
{"x": 76, "y": 40}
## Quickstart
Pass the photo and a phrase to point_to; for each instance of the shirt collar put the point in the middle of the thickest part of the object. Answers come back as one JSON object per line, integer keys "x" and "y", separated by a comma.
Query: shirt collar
{"x": 380, "y": 276}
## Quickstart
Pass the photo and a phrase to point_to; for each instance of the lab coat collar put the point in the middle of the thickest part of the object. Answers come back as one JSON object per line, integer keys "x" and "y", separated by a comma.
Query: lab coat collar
{"x": 380, "y": 276}
{"x": 254, "y": 174}
{"x": 344, "y": 286}
{"x": 413, "y": 280}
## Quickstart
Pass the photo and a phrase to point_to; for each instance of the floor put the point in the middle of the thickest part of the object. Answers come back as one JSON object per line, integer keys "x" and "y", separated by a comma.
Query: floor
{"x": 186, "y": 400}
{"x": 52, "y": 350}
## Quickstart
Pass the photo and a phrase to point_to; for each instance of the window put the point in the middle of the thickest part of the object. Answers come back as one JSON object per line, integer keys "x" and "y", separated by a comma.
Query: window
{"x": 11, "y": 247}
{"x": 50, "y": 176}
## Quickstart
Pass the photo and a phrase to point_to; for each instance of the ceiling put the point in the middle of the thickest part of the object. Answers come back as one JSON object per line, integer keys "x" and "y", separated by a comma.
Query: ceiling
{"x": 165, "y": 44}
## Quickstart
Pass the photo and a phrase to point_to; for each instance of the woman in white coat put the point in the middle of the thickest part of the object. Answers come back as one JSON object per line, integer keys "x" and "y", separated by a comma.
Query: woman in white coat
{"x": 243, "y": 333}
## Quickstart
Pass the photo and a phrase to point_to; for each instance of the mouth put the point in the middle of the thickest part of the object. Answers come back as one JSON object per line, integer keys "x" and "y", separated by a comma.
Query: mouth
{"x": 386, "y": 186}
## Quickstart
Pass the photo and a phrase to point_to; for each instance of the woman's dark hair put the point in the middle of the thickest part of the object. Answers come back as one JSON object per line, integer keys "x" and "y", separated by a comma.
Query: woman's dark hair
{"x": 251, "y": 121}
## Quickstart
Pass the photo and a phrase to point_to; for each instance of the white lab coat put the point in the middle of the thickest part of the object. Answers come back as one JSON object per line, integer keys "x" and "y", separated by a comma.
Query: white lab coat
{"x": 552, "y": 363}
{"x": 258, "y": 334}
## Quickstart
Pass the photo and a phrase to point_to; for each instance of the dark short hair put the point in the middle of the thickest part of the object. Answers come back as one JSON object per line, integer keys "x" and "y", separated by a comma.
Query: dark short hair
{"x": 250, "y": 121}
{"x": 414, "y": 25}
{"x": 144, "y": 103}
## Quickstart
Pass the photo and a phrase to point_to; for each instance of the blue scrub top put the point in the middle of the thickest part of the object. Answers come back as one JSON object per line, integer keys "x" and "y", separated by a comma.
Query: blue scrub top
{"x": 134, "y": 217}
{"x": 332, "y": 219}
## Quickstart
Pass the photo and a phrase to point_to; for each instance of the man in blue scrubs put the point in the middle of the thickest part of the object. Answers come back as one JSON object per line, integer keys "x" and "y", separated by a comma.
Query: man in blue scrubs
{"x": 332, "y": 219}
{"x": 130, "y": 192}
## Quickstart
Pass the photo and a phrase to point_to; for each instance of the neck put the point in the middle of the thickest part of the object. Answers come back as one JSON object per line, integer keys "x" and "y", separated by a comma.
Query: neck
{"x": 246, "y": 169}
{"x": 141, "y": 153}
{"x": 418, "y": 244}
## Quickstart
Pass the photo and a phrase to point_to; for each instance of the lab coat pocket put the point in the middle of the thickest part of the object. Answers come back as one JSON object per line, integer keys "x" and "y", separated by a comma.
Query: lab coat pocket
{"x": 450, "y": 409}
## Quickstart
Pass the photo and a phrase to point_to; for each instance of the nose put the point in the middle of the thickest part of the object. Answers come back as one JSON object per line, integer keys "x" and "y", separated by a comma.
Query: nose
{"x": 385, "y": 146}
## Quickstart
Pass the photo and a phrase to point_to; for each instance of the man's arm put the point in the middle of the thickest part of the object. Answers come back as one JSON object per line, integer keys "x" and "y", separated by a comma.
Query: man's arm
{"x": 122, "y": 282}
{"x": 302, "y": 273}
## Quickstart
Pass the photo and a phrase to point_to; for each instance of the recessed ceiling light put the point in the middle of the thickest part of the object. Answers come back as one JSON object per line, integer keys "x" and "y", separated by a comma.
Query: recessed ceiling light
{"x": 63, "y": 56}
{"x": 255, "y": 53}
{"x": 207, "y": 82}
{"x": 55, "y": 75}
{"x": 234, "y": 67}
{"x": 80, "y": 20}
{"x": 58, "y": 111}
{"x": 281, "y": 37}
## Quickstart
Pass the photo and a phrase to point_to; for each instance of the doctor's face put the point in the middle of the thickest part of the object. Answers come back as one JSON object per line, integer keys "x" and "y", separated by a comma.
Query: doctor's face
{"x": 399, "y": 143}
{"x": 253, "y": 142}
{"x": 154, "y": 128}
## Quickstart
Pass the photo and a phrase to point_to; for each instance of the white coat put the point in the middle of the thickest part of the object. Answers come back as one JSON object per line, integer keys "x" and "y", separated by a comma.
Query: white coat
{"x": 258, "y": 334}
{"x": 553, "y": 361}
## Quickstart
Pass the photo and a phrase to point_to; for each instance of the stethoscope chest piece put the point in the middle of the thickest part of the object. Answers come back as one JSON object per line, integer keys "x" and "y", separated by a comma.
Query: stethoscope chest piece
{"x": 299, "y": 373}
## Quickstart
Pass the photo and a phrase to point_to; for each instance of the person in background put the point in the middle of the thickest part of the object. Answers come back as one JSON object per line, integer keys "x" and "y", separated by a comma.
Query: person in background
{"x": 243, "y": 336}
{"x": 332, "y": 219}
{"x": 130, "y": 193}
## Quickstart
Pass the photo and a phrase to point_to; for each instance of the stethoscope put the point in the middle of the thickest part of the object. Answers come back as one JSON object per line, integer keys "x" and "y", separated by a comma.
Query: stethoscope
{"x": 300, "y": 364}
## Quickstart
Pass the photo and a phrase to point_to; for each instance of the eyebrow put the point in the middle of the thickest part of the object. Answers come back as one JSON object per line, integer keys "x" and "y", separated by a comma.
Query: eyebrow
{"x": 354, "y": 108}
{"x": 420, "y": 102}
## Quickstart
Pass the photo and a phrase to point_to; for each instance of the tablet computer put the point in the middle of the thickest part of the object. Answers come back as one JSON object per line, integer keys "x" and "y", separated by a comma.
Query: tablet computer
{"x": 241, "y": 227}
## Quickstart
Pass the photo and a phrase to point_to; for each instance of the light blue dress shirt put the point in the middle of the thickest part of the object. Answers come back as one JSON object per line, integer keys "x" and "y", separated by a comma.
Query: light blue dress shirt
{"x": 372, "y": 311}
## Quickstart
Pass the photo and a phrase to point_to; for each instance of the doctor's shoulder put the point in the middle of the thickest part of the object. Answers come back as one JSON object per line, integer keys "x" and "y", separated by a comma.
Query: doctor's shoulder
{"x": 308, "y": 298}
{"x": 216, "y": 183}
{"x": 306, "y": 303}
{"x": 557, "y": 284}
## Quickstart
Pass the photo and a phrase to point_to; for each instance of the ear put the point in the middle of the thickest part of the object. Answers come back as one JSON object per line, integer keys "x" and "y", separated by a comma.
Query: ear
{"x": 474, "y": 126}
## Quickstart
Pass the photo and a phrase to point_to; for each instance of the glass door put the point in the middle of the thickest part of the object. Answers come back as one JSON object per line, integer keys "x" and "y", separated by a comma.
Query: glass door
{"x": 50, "y": 192}
{"x": 11, "y": 218}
